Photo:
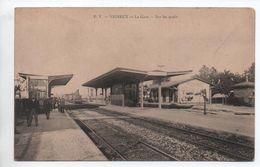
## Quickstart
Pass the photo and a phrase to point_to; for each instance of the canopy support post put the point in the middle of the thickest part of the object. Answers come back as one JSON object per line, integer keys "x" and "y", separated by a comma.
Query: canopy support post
{"x": 160, "y": 93}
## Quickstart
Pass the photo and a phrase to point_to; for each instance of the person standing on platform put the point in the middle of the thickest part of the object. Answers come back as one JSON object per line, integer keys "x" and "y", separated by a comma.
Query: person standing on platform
{"x": 47, "y": 107}
{"x": 62, "y": 104}
{"x": 59, "y": 104}
{"x": 205, "y": 99}
{"x": 54, "y": 103}
{"x": 33, "y": 107}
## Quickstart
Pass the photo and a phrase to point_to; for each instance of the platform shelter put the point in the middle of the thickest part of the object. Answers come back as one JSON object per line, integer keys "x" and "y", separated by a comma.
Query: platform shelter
{"x": 126, "y": 85}
{"x": 41, "y": 85}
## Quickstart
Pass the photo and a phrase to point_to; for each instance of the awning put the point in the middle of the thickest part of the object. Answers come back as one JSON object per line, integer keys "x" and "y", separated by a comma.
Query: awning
{"x": 33, "y": 76}
{"x": 125, "y": 75}
{"x": 244, "y": 85}
{"x": 219, "y": 95}
{"x": 59, "y": 80}
{"x": 54, "y": 80}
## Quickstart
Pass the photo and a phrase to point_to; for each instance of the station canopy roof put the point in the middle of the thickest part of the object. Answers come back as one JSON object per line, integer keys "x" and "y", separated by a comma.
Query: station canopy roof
{"x": 59, "y": 80}
{"x": 125, "y": 75}
{"x": 53, "y": 80}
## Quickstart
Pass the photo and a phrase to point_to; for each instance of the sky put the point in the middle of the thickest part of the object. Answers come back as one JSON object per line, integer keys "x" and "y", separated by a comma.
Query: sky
{"x": 87, "y": 42}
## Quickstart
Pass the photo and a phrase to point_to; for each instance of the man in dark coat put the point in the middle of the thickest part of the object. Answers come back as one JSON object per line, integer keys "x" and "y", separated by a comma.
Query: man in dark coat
{"x": 33, "y": 106}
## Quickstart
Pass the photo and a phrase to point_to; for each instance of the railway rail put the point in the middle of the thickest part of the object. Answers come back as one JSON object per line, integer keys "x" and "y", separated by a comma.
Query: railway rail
{"x": 112, "y": 153}
{"x": 100, "y": 141}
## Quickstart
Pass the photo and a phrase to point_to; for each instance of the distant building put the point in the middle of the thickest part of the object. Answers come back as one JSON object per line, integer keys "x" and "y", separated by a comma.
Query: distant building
{"x": 182, "y": 91}
{"x": 73, "y": 97}
{"x": 243, "y": 93}
{"x": 68, "y": 97}
{"x": 219, "y": 98}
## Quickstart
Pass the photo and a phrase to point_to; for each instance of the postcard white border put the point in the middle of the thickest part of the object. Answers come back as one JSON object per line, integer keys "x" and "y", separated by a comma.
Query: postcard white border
{"x": 7, "y": 70}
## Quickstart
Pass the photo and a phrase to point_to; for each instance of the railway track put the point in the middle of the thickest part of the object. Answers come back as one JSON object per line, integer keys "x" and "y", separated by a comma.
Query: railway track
{"x": 102, "y": 143}
{"x": 236, "y": 150}
{"x": 138, "y": 148}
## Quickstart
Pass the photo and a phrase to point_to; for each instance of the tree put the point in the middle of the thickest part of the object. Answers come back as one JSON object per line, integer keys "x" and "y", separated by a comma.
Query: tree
{"x": 226, "y": 80}
{"x": 208, "y": 74}
{"x": 251, "y": 72}
{"x": 18, "y": 104}
{"x": 222, "y": 81}
{"x": 18, "y": 88}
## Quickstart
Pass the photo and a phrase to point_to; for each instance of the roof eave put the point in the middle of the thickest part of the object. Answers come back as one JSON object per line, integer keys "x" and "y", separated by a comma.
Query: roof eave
{"x": 118, "y": 69}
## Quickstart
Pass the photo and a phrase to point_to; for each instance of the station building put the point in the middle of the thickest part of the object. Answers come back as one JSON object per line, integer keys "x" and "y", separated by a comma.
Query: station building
{"x": 188, "y": 90}
{"x": 244, "y": 93}
{"x": 126, "y": 85}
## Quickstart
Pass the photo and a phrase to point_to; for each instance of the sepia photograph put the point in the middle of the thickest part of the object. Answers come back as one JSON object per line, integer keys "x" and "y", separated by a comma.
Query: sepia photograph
{"x": 134, "y": 84}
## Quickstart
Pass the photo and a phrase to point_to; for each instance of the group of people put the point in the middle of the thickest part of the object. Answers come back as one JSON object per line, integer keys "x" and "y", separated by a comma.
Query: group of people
{"x": 61, "y": 105}
{"x": 33, "y": 109}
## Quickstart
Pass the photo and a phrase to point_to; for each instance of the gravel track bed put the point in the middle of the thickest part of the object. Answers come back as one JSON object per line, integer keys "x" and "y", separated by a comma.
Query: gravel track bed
{"x": 180, "y": 149}
{"x": 197, "y": 139}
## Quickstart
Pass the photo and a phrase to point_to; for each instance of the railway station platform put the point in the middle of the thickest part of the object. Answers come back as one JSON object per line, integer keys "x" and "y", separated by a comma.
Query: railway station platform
{"x": 58, "y": 138}
{"x": 235, "y": 120}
